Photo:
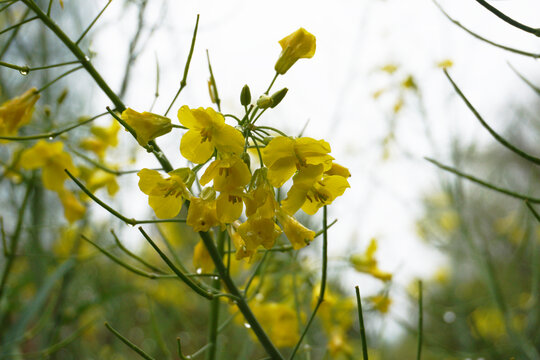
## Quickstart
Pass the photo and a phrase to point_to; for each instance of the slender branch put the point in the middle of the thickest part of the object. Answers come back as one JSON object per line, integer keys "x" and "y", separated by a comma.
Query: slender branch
{"x": 53, "y": 134}
{"x": 507, "y": 19}
{"x": 484, "y": 183}
{"x": 135, "y": 256}
{"x": 420, "y": 321}
{"x": 18, "y": 24}
{"x": 240, "y": 302}
{"x": 59, "y": 77}
{"x": 92, "y": 23}
{"x": 183, "y": 82}
{"x": 535, "y": 88}
{"x": 497, "y": 137}
{"x": 320, "y": 299}
{"x": 133, "y": 347}
{"x": 213, "y": 89}
{"x": 12, "y": 36}
{"x": 470, "y": 32}
{"x": 189, "y": 282}
{"x": 361, "y": 324}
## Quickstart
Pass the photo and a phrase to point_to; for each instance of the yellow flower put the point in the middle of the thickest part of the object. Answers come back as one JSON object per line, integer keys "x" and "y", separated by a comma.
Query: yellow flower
{"x": 337, "y": 344}
{"x": 102, "y": 138}
{"x": 367, "y": 263}
{"x": 202, "y": 214}
{"x": 148, "y": 126}
{"x": 283, "y": 156}
{"x": 99, "y": 179}
{"x": 53, "y": 160}
{"x": 312, "y": 189}
{"x": 230, "y": 175}
{"x": 298, "y": 234}
{"x": 207, "y": 131}
{"x": 239, "y": 243}
{"x": 298, "y": 45}
{"x": 166, "y": 196}
{"x": 201, "y": 258}
{"x": 381, "y": 303}
{"x": 279, "y": 320}
{"x": 73, "y": 209}
{"x": 261, "y": 199}
{"x": 259, "y": 231}
{"x": 17, "y": 112}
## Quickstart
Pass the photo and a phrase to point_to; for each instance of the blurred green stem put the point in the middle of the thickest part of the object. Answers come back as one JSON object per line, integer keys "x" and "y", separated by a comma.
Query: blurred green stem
{"x": 214, "y": 307}
{"x": 361, "y": 324}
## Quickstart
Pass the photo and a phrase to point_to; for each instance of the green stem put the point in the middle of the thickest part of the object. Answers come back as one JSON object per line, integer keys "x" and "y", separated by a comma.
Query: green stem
{"x": 497, "y": 137}
{"x": 133, "y": 347}
{"x": 241, "y": 301}
{"x": 508, "y": 19}
{"x": 17, "y": 25}
{"x": 15, "y": 238}
{"x": 214, "y": 309}
{"x": 135, "y": 256}
{"x": 483, "y": 183}
{"x": 361, "y": 324}
{"x": 58, "y": 78}
{"x": 188, "y": 281}
{"x": 272, "y": 83}
{"x": 92, "y": 23}
{"x": 214, "y": 89}
{"x": 183, "y": 82}
{"x": 420, "y": 321}
{"x": 320, "y": 299}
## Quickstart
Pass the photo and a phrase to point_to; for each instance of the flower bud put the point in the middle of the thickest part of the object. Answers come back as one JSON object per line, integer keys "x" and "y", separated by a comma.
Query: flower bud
{"x": 148, "y": 126}
{"x": 265, "y": 102}
{"x": 245, "y": 96}
{"x": 300, "y": 44}
{"x": 246, "y": 159}
{"x": 208, "y": 193}
{"x": 278, "y": 96}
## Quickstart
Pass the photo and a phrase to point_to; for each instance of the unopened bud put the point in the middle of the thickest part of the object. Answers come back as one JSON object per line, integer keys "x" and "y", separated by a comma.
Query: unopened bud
{"x": 245, "y": 96}
{"x": 265, "y": 102}
{"x": 208, "y": 193}
{"x": 62, "y": 96}
{"x": 278, "y": 96}
{"x": 246, "y": 159}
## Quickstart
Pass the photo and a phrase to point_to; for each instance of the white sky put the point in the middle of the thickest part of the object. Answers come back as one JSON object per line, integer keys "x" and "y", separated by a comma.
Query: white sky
{"x": 333, "y": 91}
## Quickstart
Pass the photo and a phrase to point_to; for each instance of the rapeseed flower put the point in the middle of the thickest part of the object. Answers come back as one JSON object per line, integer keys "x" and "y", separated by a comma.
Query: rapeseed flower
{"x": 207, "y": 132}
{"x": 73, "y": 209}
{"x": 102, "y": 139}
{"x": 147, "y": 126}
{"x": 257, "y": 231}
{"x": 280, "y": 321}
{"x": 367, "y": 263}
{"x": 17, "y": 112}
{"x": 202, "y": 214}
{"x": 300, "y": 44}
{"x": 166, "y": 196}
{"x": 284, "y": 155}
{"x": 51, "y": 158}
{"x": 201, "y": 258}
{"x": 298, "y": 234}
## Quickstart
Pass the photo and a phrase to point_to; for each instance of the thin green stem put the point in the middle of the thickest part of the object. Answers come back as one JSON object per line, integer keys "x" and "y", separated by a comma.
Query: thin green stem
{"x": 92, "y": 23}
{"x": 535, "y": 88}
{"x": 420, "y": 321}
{"x": 12, "y": 36}
{"x": 272, "y": 83}
{"x": 180, "y": 353}
{"x": 273, "y": 129}
{"x": 483, "y": 183}
{"x": 497, "y": 137}
{"x": 507, "y": 19}
{"x": 507, "y": 48}
{"x": 126, "y": 265}
{"x": 183, "y": 82}
{"x": 135, "y": 256}
{"x": 53, "y": 134}
{"x": 255, "y": 273}
{"x": 213, "y": 88}
{"x": 125, "y": 219}
{"x": 59, "y": 77}
{"x": 241, "y": 302}
{"x": 535, "y": 278}
{"x": 27, "y": 69}
{"x": 15, "y": 238}
{"x": 133, "y": 347}
{"x": 4, "y": 241}
{"x": 320, "y": 299}
{"x": 214, "y": 309}
{"x": 188, "y": 281}
{"x": 361, "y": 324}
{"x": 17, "y": 25}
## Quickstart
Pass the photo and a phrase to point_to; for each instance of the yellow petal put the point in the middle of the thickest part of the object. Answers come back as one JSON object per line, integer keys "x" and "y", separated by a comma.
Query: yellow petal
{"x": 165, "y": 207}
{"x": 194, "y": 148}
{"x": 229, "y": 208}
{"x": 148, "y": 179}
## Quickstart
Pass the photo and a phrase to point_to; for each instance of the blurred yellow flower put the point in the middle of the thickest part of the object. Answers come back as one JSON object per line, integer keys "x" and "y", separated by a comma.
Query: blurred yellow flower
{"x": 279, "y": 320}
{"x": 147, "y": 126}
{"x": 165, "y": 196}
{"x": 207, "y": 131}
{"x": 101, "y": 179}
{"x": 381, "y": 303}
{"x": 17, "y": 112}
{"x": 299, "y": 45}
{"x": 102, "y": 138}
{"x": 52, "y": 159}
{"x": 73, "y": 209}
{"x": 366, "y": 263}
{"x": 201, "y": 258}
{"x": 284, "y": 155}
{"x": 446, "y": 63}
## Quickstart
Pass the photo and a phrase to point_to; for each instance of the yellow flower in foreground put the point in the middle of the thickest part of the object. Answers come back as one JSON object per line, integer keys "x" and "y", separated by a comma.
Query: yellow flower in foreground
{"x": 148, "y": 126}
{"x": 279, "y": 320}
{"x": 259, "y": 231}
{"x": 239, "y": 243}
{"x": 73, "y": 209}
{"x": 299, "y": 45}
{"x": 17, "y": 112}
{"x": 298, "y": 234}
{"x": 367, "y": 263}
{"x": 207, "y": 131}
{"x": 202, "y": 214}
{"x": 166, "y": 196}
{"x": 284, "y": 155}
{"x": 312, "y": 189}
{"x": 52, "y": 159}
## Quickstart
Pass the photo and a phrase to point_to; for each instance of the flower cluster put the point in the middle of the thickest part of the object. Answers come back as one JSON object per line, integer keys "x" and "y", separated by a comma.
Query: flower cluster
{"x": 239, "y": 197}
